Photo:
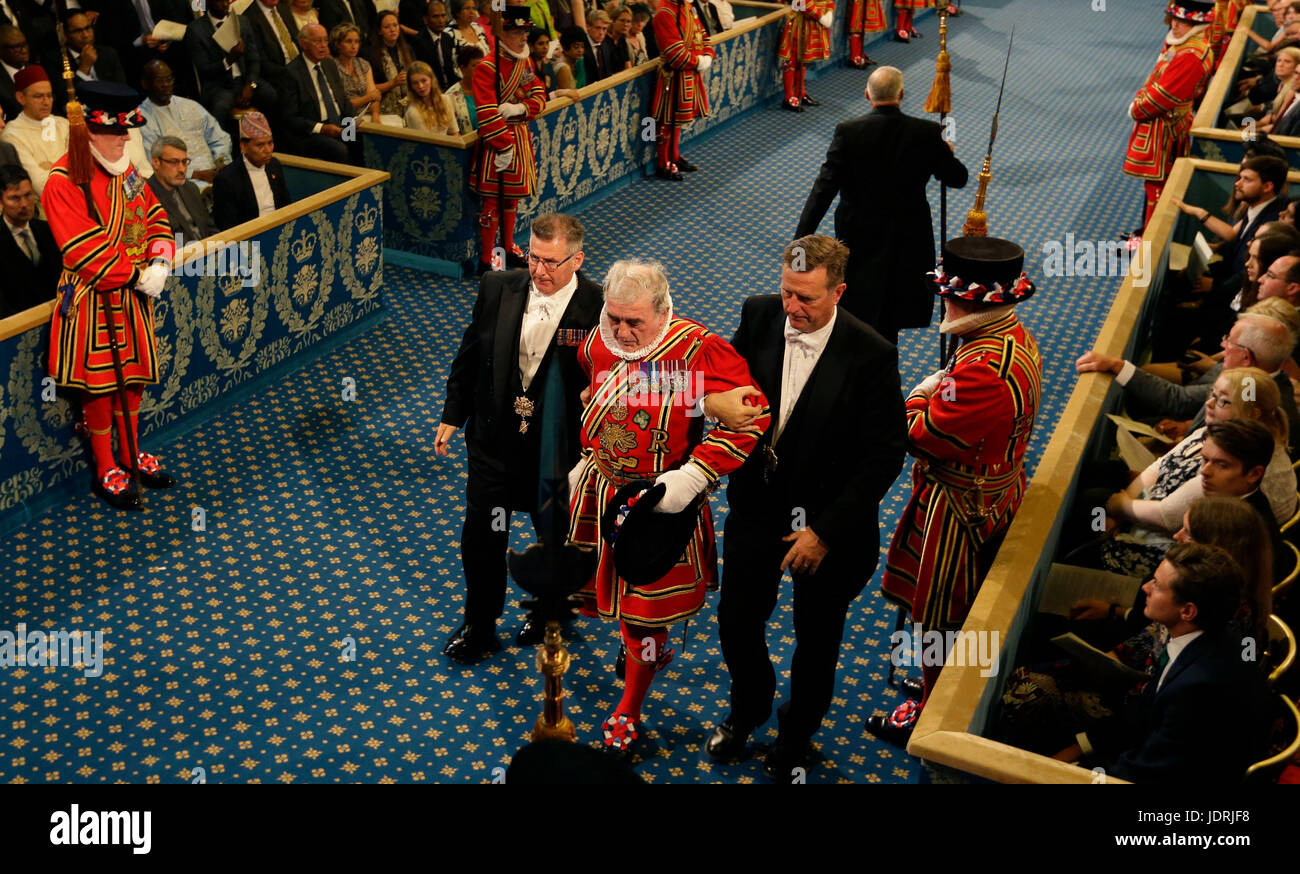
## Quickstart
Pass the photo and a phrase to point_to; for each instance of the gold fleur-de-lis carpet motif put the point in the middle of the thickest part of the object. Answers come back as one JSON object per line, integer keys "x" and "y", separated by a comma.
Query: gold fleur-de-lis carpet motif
{"x": 297, "y": 638}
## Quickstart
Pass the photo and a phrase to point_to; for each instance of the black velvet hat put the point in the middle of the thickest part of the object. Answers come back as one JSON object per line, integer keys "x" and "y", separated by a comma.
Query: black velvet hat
{"x": 983, "y": 270}
{"x": 647, "y": 545}
{"x": 516, "y": 18}
{"x": 110, "y": 104}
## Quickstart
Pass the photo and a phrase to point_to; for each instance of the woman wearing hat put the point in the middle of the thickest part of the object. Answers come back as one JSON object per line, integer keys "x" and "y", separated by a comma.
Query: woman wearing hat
{"x": 968, "y": 427}
{"x": 1162, "y": 109}
{"x": 117, "y": 251}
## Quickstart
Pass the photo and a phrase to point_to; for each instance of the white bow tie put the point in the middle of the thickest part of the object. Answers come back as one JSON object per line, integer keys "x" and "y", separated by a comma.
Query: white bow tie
{"x": 802, "y": 343}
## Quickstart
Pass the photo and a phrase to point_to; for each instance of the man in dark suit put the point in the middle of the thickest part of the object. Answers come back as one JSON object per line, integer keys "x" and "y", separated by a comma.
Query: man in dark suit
{"x": 14, "y": 53}
{"x": 30, "y": 257}
{"x": 128, "y": 26}
{"x": 316, "y": 106}
{"x": 276, "y": 45}
{"x": 879, "y": 165}
{"x": 186, "y": 211}
{"x": 708, "y": 16}
{"x": 525, "y": 331}
{"x": 88, "y": 60}
{"x": 359, "y": 12}
{"x": 600, "y": 49}
{"x": 1200, "y": 720}
{"x": 252, "y": 185}
{"x": 436, "y": 46}
{"x": 807, "y": 499}
{"x": 232, "y": 78}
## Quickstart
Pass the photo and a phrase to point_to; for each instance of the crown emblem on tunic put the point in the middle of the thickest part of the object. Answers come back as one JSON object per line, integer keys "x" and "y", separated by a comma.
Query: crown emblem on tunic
{"x": 366, "y": 219}
{"x": 304, "y": 247}
{"x": 426, "y": 170}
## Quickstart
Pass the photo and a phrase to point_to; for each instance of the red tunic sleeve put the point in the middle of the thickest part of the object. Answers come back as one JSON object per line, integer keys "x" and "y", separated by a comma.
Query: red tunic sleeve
{"x": 723, "y": 450}
{"x": 1175, "y": 87}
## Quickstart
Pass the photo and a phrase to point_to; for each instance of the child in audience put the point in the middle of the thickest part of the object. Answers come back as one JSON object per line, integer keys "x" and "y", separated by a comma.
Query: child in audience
{"x": 429, "y": 109}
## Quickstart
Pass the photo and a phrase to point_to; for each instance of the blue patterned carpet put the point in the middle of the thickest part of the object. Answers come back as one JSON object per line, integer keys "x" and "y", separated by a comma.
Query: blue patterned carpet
{"x": 332, "y": 522}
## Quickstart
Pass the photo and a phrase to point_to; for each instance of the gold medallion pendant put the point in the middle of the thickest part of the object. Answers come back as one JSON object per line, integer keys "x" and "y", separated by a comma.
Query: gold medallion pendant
{"x": 523, "y": 409}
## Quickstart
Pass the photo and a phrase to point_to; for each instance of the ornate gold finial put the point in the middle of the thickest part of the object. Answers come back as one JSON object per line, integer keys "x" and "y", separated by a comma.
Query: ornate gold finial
{"x": 553, "y": 661}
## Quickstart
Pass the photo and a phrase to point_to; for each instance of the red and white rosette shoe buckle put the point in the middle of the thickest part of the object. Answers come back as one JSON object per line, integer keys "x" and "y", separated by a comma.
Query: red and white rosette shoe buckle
{"x": 621, "y": 731}
{"x": 116, "y": 481}
{"x": 148, "y": 463}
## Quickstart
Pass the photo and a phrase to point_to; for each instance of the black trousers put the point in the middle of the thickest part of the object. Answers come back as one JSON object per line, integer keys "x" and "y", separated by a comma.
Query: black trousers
{"x": 496, "y": 489}
{"x": 751, "y": 579}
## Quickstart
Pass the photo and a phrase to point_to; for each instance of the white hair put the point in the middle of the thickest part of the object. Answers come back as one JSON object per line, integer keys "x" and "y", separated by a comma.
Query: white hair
{"x": 885, "y": 85}
{"x": 628, "y": 281}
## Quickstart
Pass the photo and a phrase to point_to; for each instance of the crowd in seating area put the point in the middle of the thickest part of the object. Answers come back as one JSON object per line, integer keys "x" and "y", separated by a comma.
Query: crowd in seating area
{"x": 223, "y": 90}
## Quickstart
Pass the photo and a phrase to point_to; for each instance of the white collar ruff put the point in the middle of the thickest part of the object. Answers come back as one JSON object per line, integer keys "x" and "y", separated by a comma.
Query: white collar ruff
{"x": 615, "y": 349}
{"x": 115, "y": 168}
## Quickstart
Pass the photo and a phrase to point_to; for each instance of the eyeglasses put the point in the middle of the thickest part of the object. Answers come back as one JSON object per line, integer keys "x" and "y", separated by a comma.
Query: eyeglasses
{"x": 550, "y": 265}
{"x": 1227, "y": 342}
{"x": 184, "y": 162}
{"x": 1219, "y": 401}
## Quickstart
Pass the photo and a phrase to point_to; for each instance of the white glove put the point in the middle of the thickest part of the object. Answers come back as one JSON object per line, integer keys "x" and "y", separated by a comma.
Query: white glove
{"x": 153, "y": 279}
{"x": 510, "y": 110}
{"x": 928, "y": 385}
{"x": 825, "y": 20}
{"x": 682, "y": 485}
{"x": 703, "y": 62}
{"x": 501, "y": 160}
{"x": 1132, "y": 105}
{"x": 575, "y": 475}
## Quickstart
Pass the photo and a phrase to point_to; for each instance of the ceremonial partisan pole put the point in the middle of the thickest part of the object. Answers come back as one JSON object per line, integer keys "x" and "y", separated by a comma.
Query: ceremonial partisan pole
{"x": 940, "y": 101}
{"x": 977, "y": 220}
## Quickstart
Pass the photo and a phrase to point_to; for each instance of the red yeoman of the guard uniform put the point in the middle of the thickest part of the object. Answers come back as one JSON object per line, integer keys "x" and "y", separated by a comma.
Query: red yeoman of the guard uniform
{"x": 1226, "y": 15}
{"x": 498, "y": 134}
{"x": 805, "y": 38}
{"x": 904, "y": 10}
{"x": 865, "y": 16}
{"x": 679, "y": 96}
{"x": 1162, "y": 108}
{"x": 115, "y": 255}
{"x": 630, "y": 432}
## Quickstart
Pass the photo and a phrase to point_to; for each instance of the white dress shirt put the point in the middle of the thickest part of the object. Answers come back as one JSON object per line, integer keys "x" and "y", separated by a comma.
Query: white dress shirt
{"x": 25, "y": 239}
{"x": 802, "y": 352}
{"x": 1175, "y": 648}
{"x": 187, "y": 119}
{"x": 261, "y": 188}
{"x": 320, "y": 98}
{"x": 541, "y": 318}
{"x": 234, "y": 69}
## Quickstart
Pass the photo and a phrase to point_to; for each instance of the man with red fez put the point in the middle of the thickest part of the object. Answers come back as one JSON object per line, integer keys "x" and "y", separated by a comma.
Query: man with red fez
{"x": 805, "y": 38}
{"x": 117, "y": 252}
{"x": 968, "y": 428}
{"x": 38, "y": 137}
{"x": 505, "y": 165}
{"x": 865, "y": 16}
{"x": 679, "y": 96}
{"x": 903, "y": 10}
{"x": 642, "y": 425}
{"x": 1162, "y": 109}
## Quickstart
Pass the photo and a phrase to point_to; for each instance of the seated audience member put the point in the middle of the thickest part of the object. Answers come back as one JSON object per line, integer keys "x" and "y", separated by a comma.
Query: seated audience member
{"x": 30, "y": 258}
{"x": 186, "y": 211}
{"x": 272, "y": 38}
{"x": 391, "y": 57}
{"x": 638, "y": 37}
{"x": 429, "y": 109}
{"x": 465, "y": 29}
{"x": 599, "y": 58}
{"x": 539, "y": 49}
{"x": 1256, "y": 340}
{"x": 436, "y": 46}
{"x": 707, "y": 13}
{"x": 1288, "y": 32}
{"x": 169, "y": 115}
{"x": 14, "y": 55}
{"x": 361, "y": 13}
{"x": 1282, "y": 279}
{"x": 570, "y": 68}
{"x": 301, "y": 14}
{"x": 316, "y": 104}
{"x": 1273, "y": 240}
{"x": 88, "y": 59}
{"x": 253, "y": 185}
{"x": 27, "y": 131}
{"x": 620, "y": 25}
{"x": 1201, "y": 719}
{"x": 1262, "y": 96}
{"x": 1152, "y": 506}
{"x": 229, "y": 79}
{"x": 462, "y": 98}
{"x": 345, "y": 43}
{"x": 543, "y": 19}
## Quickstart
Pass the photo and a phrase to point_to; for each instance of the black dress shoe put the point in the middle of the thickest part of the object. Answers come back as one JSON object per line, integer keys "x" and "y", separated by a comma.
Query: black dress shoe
{"x": 912, "y": 688}
{"x": 684, "y": 165}
{"x": 515, "y": 260}
{"x": 784, "y": 758}
{"x": 469, "y": 644}
{"x": 669, "y": 172}
{"x": 128, "y": 500}
{"x": 901, "y": 36}
{"x": 158, "y": 480}
{"x": 484, "y": 267}
{"x": 727, "y": 742}
{"x": 620, "y": 663}
{"x": 880, "y": 727}
{"x": 532, "y": 633}
{"x": 791, "y": 107}
{"x": 808, "y": 101}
